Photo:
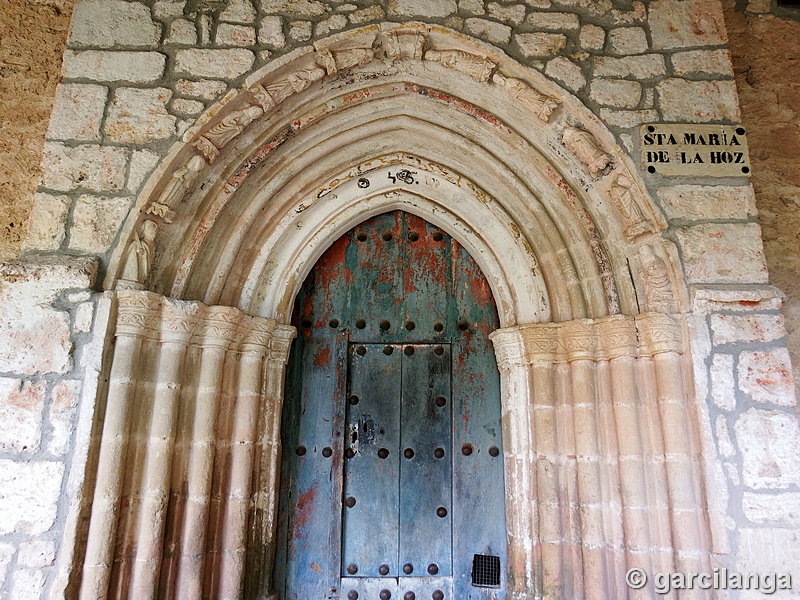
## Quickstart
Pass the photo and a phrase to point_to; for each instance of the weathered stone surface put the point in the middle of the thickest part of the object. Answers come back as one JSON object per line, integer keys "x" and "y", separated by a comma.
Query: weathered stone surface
{"x": 365, "y": 15}
{"x": 628, "y": 118}
{"x": 30, "y": 495}
{"x": 724, "y": 442}
{"x": 164, "y": 9}
{"x": 207, "y": 89}
{"x": 305, "y": 8}
{"x": 215, "y": 64}
{"x": 47, "y": 224}
{"x": 567, "y": 72}
{"x": 723, "y": 253}
{"x": 472, "y": 7}
{"x": 300, "y": 31}
{"x": 730, "y": 329}
{"x": 627, "y": 40}
{"x": 62, "y": 410}
{"x": 767, "y": 376}
{"x": 270, "y": 32}
{"x": 540, "y": 44}
{"x": 592, "y": 37}
{"x": 239, "y": 11}
{"x": 77, "y": 112}
{"x": 6, "y": 553}
{"x": 235, "y": 35}
{"x": 702, "y": 202}
{"x": 621, "y": 93}
{"x": 97, "y": 168}
{"x": 723, "y": 389}
{"x": 140, "y": 116}
{"x": 492, "y": 31}
{"x": 698, "y": 101}
{"x": 553, "y": 21}
{"x": 769, "y": 550}
{"x": 422, "y": 8}
{"x": 27, "y": 584}
{"x": 331, "y": 24}
{"x": 102, "y": 65}
{"x": 36, "y": 554}
{"x": 707, "y": 62}
{"x": 113, "y": 24}
{"x": 182, "y": 32}
{"x": 770, "y": 447}
{"x": 21, "y": 407}
{"x": 644, "y": 66}
{"x": 689, "y": 23}
{"x": 95, "y": 222}
{"x": 514, "y": 13}
{"x": 142, "y": 164}
{"x": 772, "y": 509}
{"x": 187, "y": 107}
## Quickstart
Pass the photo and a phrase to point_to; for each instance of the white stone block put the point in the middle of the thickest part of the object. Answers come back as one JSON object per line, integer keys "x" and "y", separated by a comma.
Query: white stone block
{"x": 306, "y": 8}
{"x": 723, "y": 253}
{"x": 628, "y": 118}
{"x": 96, "y": 221}
{"x": 422, "y": 8}
{"x": 540, "y": 44}
{"x": 47, "y": 222}
{"x": 687, "y": 23}
{"x": 187, "y": 107}
{"x": 207, "y": 89}
{"x": 21, "y": 410}
{"x": 29, "y": 501}
{"x": 567, "y": 72}
{"x": 472, "y": 7}
{"x": 270, "y": 32}
{"x": 769, "y": 550}
{"x": 165, "y": 9}
{"x": 730, "y": 329}
{"x": 140, "y": 116}
{"x": 642, "y": 66}
{"x": 236, "y": 35}
{"x": 300, "y": 31}
{"x": 215, "y": 64}
{"x": 514, "y": 13}
{"x": 723, "y": 388}
{"x": 104, "y": 65}
{"x": 620, "y": 93}
{"x": 772, "y": 509}
{"x": 36, "y": 554}
{"x": 496, "y": 33}
{"x": 142, "y": 164}
{"x": 767, "y": 376}
{"x": 239, "y": 11}
{"x": 6, "y": 554}
{"x": 182, "y": 32}
{"x": 27, "y": 584}
{"x": 627, "y": 40}
{"x": 365, "y": 15}
{"x": 592, "y": 37}
{"x": 113, "y": 24}
{"x": 331, "y": 24}
{"x": 725, "y": 445}
{"x": 706, "y": 202}
{"x": 77, "y": 112}
{"x": 698, "y": 101}
{"x": 553, "y": 21}
{"x": 706, "y": 62}
{"x": 97, "y": 168}
{"x": 83, "y": 317}
{"x": 770, "y": 447}
{"x": 62, "y": 413}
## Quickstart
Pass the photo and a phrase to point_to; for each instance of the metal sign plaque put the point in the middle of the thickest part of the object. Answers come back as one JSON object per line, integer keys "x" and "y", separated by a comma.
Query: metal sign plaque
{"x": 688, "y": 149}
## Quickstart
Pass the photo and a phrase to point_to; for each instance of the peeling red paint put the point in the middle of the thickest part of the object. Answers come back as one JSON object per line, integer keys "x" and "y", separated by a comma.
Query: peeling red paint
{"x": 323, "y": 357}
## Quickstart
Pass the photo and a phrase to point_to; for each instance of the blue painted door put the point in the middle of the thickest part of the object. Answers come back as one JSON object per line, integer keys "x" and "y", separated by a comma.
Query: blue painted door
{"x": 392, "y": 477}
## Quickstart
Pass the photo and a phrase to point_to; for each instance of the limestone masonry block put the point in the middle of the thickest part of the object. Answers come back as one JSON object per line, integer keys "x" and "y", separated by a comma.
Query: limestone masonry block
{"x": 770, "y": 446}
{"x": 140, "y": 116}
{"x": 182, "y": 32}
{"x": 102, "y": 65}
{"x": 767, "y": 376}
{"x": 21, "y": 407}
{"x": 492, "y": 31}
{"x": 77, "y": 112}
{"x": 689, "y": 23}
{"x": 628, "y": 118}
{"x": 113, "y": 24}
{"x": 730, "y": 329}
{"x": 553, "y": 21}
{"x": 769, "y": 550}
{"x": 627, "y": 40}
{"x": 187, "y": 107}
{"x": 772, "y": 509}
{"x": 62, "y": 411}
{"x": 698, "y": 101}
{"x": 371, "y": 13}
{"x": 95, "y": 222}
{"x": 305, "y": 8}
{"x": 239, "y": 11}
{"x": 164, "y": 9}
{"x": 540, "y": 44}
{"x": 300, "y": 31}
{"x": 725, "y": 444}
{"x": 27, "y": 584}
{"x": 515, "y": 13}
{"x": 270, "y": 32}
{"x": 621, "y": 93}
{"x": 723, "y": 253}
{"x": 723, "y": 388}
{"x": 592, "y": 37}
{"x": 707, "y": 62}
{"x": 331, "y": 24}
{"x": 36, "y": 554}
{"x": 46, "y": 225}
{"x": 30, "y": 495}
{"x": 567, "y": 72}
{"x": 422, "y": 8}
{"x": 700, "y": 202}
{"x": 472, "y": 7}
{"x": 644, "y": 66}
{"x": 214, "y": 64}
{"x": 6, "y": 553}
{"x": 207, "y": 89}
{"x": 235, "y": 35}
{"x": 97, "y": 168}
{"x": 142, "y": 164}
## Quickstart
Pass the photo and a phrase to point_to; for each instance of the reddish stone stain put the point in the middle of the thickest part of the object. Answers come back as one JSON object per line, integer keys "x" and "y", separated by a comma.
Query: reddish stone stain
{"x": 459, "y": 104}
{"x": 322, "y": 358}
{"x": 749, "y": 302}
{"x": 305, "y": 507}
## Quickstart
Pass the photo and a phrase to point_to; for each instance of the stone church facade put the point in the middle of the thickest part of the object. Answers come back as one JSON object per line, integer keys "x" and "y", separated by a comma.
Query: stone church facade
{"x": 201, "y": 157}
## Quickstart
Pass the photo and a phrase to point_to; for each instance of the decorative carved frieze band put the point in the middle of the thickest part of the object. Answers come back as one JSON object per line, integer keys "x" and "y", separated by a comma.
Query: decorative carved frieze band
{"x": 478, "y": 67}
{"x": 659, "y": 333}
{"x": 401, "y": 44}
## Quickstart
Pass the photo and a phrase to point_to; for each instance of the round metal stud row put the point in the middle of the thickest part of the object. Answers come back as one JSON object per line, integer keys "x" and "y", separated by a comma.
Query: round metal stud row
{"x": 387, "y": 595}
{"x": 386, "y": 325}
{"x": 466, "y": 449}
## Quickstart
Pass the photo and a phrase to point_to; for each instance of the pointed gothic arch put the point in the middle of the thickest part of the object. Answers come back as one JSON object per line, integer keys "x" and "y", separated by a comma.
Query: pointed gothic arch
{"x": 596, "y": 393}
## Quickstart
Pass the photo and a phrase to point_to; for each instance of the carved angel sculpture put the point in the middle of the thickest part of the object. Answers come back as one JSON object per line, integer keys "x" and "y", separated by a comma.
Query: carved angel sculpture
{"x": 540, "y": 105}
{"x": 586, "y": 148}
{"x": 138, "y": 256}
{"x": 657, "y": 284}
{"x": 181, "y": 180}
{"x": 477, "y": 67}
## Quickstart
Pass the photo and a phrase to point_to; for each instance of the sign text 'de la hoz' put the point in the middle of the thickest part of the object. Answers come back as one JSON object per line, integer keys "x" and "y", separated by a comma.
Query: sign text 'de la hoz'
{"x": 695, "y": 150}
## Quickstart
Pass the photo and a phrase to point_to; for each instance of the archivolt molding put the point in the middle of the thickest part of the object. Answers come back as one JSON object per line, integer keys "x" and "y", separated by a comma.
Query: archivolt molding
{"x": 572, "y": 195}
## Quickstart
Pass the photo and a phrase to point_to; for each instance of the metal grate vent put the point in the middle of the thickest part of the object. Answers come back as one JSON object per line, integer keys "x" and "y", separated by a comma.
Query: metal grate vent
{"x": 485, "y": 570}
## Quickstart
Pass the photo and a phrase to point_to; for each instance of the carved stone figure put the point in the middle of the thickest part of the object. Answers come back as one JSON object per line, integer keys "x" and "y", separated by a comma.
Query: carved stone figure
{"x": 181, "y": 180}
{"x": 622, "y": 195}
{"x": 294, "y": 83}
{"x": 403, "y": 44}
{"x": 138, "y": 257}
{"x": 338, "y": 60}
{"x": 232, "y": 125}
{"x": 585, "y": 147}
{"x": 540, "y": 105}
{"x": 262, "y": 98}
{"x": 206, "y": 148}
{"x": 477, "y": 67}
{"x": 655, "y": 277}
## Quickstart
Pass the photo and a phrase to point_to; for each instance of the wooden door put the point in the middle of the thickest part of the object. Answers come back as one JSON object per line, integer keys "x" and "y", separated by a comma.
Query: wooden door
{"x": 392, "y": 477}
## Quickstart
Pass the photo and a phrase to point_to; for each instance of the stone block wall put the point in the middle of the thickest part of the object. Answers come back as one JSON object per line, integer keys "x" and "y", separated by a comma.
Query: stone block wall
{"x": 136, "y": 75}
